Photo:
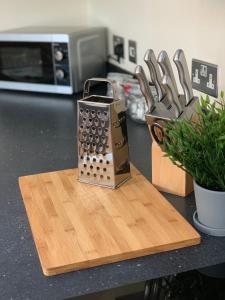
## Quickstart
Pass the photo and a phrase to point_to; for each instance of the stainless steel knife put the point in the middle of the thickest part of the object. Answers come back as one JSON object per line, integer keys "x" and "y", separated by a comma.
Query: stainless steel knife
{"x": 172, "y": 96}
{"x": 145, "y": 88}
{"x": 164, "y": 62}
{"x": 184, "y": 75}
{"x": 156, "y": 77}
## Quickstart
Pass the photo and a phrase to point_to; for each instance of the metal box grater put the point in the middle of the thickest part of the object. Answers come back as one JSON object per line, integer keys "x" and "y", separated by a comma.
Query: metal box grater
{"x": 103, "y": 154}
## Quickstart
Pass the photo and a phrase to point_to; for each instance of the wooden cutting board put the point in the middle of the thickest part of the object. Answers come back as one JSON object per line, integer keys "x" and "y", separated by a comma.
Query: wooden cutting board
{"x": 77, "y": 226}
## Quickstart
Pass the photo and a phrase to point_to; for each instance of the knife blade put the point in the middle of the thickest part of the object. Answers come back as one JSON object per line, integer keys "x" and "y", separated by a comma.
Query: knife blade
{"x": 172, "y": 96}
{"x": 164, "y": 62}
{"x": 145, "y": 88}
{"x": 184, "y": 75}
{"x": 156, "y": 77}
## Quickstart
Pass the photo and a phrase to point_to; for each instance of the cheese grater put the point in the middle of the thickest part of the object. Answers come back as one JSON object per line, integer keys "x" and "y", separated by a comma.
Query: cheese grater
{"x": 103, "y": 154}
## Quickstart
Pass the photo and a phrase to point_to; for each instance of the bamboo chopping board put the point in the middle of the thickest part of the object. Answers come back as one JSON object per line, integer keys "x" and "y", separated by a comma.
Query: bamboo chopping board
{"x": 77, "y": 226}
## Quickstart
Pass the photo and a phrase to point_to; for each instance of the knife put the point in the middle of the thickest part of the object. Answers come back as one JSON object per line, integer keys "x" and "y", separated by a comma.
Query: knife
{"x": 172, "y": 96}
{"x": 156, "y": 77}
{"x": 184, "y": 76}
{"x": 145, "y": 88}
{"x": 164, "y": 62}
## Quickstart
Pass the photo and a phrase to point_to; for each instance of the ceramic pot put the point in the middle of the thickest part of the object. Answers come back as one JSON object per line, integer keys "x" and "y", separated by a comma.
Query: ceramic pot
{"x": 210, "y": 214}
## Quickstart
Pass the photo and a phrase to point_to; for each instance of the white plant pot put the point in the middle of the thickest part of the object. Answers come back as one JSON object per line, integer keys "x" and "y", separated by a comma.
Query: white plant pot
{"x": 210, "y": 215}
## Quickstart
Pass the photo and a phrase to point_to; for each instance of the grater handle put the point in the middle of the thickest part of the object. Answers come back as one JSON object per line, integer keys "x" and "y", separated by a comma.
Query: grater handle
{"x": 95, "y": 79}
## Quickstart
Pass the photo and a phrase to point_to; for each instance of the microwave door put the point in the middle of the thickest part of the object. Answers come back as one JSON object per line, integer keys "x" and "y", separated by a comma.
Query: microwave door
{"x": 26, "y": 62}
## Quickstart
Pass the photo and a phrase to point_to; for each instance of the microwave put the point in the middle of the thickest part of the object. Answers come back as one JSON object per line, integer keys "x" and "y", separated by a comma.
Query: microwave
{"x": 51, "y": 59}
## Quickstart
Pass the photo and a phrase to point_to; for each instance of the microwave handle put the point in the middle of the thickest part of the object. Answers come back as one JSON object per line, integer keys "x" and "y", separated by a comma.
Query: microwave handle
{"x": 95, "y": 79}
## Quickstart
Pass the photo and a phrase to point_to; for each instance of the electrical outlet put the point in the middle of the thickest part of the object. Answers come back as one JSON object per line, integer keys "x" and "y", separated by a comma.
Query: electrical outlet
{"x": 205, "y": 77}
{"x": 132, "y": 48}
{"x": 118, "y": 47}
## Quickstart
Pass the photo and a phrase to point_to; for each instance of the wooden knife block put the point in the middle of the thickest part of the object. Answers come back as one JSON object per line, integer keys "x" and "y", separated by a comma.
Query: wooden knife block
{"x": 167, "y": 177}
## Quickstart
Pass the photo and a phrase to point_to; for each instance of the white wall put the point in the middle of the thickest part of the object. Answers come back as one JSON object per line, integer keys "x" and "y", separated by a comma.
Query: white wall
{"x": 196, "y": 26}
{"x": 19, "y": 13}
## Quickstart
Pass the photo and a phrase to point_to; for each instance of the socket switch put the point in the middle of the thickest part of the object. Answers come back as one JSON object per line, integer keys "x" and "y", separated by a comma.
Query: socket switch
{"x": 132, "y": 48}
{"x": 205, "y": 77}
{"x": 118, "y": 47}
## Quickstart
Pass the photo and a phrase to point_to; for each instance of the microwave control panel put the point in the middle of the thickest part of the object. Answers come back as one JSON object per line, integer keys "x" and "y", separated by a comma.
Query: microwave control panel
{"x": 61, "y": 64}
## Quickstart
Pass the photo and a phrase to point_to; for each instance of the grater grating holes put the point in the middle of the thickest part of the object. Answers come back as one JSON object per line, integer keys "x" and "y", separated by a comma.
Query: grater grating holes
{"x": 96, "y": 122}
{"x": 100, "y": 147}
{"x": 94, "y": 138}
{"x": 99, "y": 130}
{"x": 89, "y": 121}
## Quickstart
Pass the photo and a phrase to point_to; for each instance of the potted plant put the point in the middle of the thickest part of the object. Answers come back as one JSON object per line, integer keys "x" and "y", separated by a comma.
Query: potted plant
{"x": 198, "y": 146}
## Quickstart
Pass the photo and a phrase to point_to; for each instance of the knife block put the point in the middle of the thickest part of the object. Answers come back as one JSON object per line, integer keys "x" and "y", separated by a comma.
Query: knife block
{"x": 167, "y": 177}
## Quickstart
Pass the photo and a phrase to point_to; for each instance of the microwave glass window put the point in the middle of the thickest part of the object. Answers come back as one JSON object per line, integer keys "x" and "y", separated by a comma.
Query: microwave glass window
{"x": 21, "y": 62}
{"x": 26, "y": 62}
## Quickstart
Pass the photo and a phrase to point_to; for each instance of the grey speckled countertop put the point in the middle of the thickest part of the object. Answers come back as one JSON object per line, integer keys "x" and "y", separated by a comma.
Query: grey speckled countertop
{"x": 38, "y": 134}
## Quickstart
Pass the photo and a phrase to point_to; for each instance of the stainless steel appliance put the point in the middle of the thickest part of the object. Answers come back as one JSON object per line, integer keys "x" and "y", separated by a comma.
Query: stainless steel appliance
{"x": 103, "y": 156}
{"x": 51, "y": 59}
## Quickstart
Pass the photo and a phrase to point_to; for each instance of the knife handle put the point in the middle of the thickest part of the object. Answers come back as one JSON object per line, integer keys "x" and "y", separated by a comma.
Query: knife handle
{"x": 164, "y": 62}
{"x": 145, "y": 88}
{"x": 184, "y": 76}
{"x": 156, "y": 77}
{"x": 172, "y": 95}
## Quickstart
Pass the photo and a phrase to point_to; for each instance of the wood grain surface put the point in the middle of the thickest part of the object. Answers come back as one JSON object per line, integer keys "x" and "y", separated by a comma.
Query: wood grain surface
{"x": 77, "y": 226}
{"x": 167, "y": 177}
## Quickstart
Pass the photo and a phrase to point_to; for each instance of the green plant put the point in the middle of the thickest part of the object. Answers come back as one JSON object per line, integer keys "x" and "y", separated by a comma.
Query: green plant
{"x": 198, "y": 145}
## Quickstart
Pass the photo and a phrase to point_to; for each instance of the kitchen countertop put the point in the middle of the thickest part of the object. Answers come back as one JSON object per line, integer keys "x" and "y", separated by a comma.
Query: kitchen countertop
{"x": 38, "y": 134}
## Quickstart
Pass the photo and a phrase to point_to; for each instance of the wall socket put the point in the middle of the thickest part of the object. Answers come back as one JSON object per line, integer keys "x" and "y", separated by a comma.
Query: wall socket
{"x": 118, "y": 47}
{"x": 132, "y": 48}
{"x": 205, "y": 77}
